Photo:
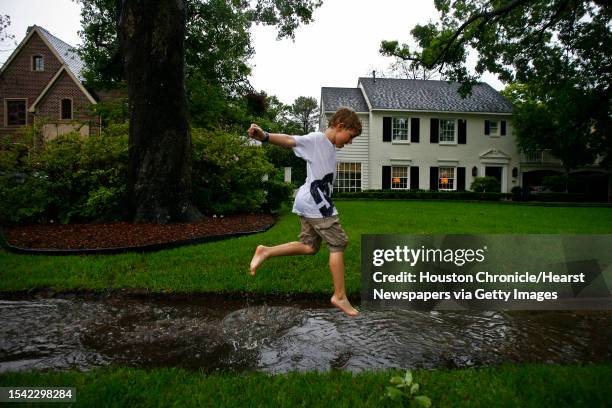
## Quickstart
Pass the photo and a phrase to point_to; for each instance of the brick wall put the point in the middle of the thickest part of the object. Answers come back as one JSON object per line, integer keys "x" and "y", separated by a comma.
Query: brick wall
{"x": 64, "y": 87}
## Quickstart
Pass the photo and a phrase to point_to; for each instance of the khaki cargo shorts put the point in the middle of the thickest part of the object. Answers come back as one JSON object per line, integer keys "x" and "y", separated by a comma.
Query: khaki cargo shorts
{"x": 314, "y": 230}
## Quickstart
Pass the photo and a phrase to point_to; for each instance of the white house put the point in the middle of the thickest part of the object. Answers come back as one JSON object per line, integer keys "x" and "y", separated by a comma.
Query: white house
{"x": 422, "y": 135}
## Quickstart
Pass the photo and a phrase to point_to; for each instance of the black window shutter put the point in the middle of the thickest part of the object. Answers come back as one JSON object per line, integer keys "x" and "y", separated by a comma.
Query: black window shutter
{"x": 487, "y": 127}
{"x": 414, "y": 177}
{"x": 460, "y": 178}
{"x": 386, "y": 178}
{"x": 415, "y": 124}
{"x": 462, "y": 131}
{"x": 386, "y": 129}
{"x": 433, "y": 178}
{"x": 434, "y": 131}
{"x": 503, "y": 128}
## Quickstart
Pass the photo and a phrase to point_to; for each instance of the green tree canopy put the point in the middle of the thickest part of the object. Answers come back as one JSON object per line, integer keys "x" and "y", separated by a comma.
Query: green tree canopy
{"x": 561, "y": 48}
{"x": 305, "y": 111}
{"x": 218, "y": 41}
{"x": 217, "y": 49}
{"x": 562, "y": 123}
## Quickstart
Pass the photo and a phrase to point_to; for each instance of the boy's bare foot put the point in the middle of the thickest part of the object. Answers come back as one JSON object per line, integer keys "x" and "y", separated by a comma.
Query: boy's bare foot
{"x": 258, "y": 258}
{"x": 344, "y": 305}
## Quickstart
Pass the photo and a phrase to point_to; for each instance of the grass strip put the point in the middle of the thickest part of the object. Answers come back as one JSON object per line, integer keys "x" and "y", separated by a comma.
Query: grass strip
{"x": 222, "y": 266}
{"x": 530, "y": 385}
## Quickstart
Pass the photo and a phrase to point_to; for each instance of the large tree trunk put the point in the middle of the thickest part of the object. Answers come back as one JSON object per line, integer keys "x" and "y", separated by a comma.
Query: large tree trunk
{"x": 152, "y": 39}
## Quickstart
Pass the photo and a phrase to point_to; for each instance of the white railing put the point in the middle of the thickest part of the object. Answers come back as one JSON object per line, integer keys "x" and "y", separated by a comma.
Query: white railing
{"x": 539, "y": 157}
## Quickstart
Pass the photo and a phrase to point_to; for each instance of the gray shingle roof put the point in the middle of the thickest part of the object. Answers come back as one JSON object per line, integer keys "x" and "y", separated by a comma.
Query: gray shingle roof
{"x": 428, "y": 95}
{"x": 67, "y": 52}
{"x": 333, "y": 98}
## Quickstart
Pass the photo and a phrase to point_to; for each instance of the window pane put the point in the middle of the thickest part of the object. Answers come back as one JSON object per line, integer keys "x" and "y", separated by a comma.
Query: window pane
{"x": 446, "y": 180}
{"x": 399, "y": 177}
{"x": 37, "y": 63}
{"x": 400, "y": 128}
{"x": 447, "y": 130}
{"x": 493, "y": 127}
{"x": 348, "y": 177}
{"x": 16, "y": 112}
{"x": 66, "y": 109}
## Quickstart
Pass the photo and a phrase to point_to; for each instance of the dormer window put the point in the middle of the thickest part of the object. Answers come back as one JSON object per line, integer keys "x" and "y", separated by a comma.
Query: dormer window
{"x": 38, "y": 63}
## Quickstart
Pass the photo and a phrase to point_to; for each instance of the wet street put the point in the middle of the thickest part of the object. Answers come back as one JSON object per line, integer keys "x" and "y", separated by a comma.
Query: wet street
{"x": 277, "y": 336}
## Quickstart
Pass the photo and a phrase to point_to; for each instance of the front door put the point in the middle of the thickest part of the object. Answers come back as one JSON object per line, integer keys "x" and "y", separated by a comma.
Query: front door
{"x": 494, "y": 172}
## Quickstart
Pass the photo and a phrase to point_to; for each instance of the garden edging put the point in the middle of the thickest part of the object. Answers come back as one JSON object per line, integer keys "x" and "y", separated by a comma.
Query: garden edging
{"x": 119, "y": 250}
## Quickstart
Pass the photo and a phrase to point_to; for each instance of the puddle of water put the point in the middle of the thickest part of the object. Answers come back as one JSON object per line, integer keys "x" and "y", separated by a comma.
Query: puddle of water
{"x": 278, "y": 337}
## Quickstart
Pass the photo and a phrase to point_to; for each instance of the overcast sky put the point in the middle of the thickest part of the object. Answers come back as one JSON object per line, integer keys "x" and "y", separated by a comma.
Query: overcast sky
{"x": 338, "y": 47}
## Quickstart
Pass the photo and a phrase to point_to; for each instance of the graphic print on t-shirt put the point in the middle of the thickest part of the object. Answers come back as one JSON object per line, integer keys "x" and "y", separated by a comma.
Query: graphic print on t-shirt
{"x": 321, "y": 191}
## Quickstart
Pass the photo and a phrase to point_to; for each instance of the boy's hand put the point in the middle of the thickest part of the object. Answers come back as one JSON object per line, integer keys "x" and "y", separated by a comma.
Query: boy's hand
{"x": 256, "y": 132}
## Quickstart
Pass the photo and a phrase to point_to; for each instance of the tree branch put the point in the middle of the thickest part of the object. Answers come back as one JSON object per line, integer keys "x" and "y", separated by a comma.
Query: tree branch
{"x": 546, "y": 26}
{"x": 486, "y": 16}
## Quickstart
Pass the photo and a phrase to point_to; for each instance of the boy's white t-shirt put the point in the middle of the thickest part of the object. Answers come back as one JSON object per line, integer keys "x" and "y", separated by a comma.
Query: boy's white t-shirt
{"x": 313, "y": 199}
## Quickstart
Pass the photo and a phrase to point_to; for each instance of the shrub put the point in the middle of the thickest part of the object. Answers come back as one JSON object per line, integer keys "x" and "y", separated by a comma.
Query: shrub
{"x": 70, "y": 178}
{"x": 277, "y": 192}
{"x": 560, "y": 183}
{"x": 25, "y": 198}
{"x": 421, "y": 195}
{"x": 228, "y": 174}
{"x": 517, "y": 193}
{"x": 88, "y": 176}
{"x": 74, "y": 178}
{"x": 486, "y": 184}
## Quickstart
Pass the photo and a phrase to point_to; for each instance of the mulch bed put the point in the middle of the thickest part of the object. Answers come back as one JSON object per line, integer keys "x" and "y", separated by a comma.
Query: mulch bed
{"x": 125, "y": 234}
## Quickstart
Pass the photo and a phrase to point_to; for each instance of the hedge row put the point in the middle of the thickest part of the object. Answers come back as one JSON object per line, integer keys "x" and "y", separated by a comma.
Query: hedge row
{"x": 517, "y": 195}
{"x": 423, "y": 195}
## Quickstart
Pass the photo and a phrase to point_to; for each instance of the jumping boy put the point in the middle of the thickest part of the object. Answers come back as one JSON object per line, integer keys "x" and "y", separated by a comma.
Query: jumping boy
{"x": 318, "y": 215}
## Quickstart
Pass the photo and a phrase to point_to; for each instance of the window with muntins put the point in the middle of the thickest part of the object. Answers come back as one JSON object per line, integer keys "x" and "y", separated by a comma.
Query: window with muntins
{"x": 399, "y": 177}
{"x": 494, "y": 128}
{"x": 447, "y": 130}
{"x": 15, "y": 113}
{"x": 38, "y": 63}
{"x": 446, "y": 178}
{"x": 348, "y": 177}
{"x": 400, "y": 129}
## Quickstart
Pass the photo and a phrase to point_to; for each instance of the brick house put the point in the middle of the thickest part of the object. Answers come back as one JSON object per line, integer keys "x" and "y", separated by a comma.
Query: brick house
{"x": 42, "y": 80}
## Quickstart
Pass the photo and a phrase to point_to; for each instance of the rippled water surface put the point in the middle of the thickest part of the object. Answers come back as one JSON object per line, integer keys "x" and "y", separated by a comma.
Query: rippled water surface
{"x": 279, "y": 337}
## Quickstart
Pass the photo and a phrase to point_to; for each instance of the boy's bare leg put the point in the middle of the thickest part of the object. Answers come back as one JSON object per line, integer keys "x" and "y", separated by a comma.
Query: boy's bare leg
{"x": 339, "y": 299}
{"x": 290, "y": 248}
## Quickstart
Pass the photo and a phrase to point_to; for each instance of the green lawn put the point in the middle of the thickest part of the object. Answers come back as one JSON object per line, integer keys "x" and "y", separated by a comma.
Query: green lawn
{"x": 222, "y": 266}
{"x": 531, "y": 385}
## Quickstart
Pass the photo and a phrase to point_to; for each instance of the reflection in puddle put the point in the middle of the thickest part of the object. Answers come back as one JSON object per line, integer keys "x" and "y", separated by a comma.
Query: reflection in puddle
{"x": 280, "y": 337}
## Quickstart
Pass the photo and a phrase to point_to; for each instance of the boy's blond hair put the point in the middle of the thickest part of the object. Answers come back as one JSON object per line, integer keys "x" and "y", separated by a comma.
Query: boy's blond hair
{"x": 348, "y": 118}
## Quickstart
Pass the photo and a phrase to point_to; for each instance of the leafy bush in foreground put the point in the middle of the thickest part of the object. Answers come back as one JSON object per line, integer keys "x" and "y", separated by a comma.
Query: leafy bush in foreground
{"x": 70, "y": 178}
{"x": 74, "y": 178}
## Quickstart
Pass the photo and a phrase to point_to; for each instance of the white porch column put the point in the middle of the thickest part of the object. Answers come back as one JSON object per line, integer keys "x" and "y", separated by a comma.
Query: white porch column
{"x": 287, "y": 174}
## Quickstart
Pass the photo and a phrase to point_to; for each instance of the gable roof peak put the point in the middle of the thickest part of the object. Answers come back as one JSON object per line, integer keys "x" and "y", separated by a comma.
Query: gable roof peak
{"x": 67, "y": 52}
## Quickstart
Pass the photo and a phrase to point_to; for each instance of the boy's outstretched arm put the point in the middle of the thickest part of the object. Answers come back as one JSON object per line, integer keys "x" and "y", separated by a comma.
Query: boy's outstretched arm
{"x": 278, "y": 139}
